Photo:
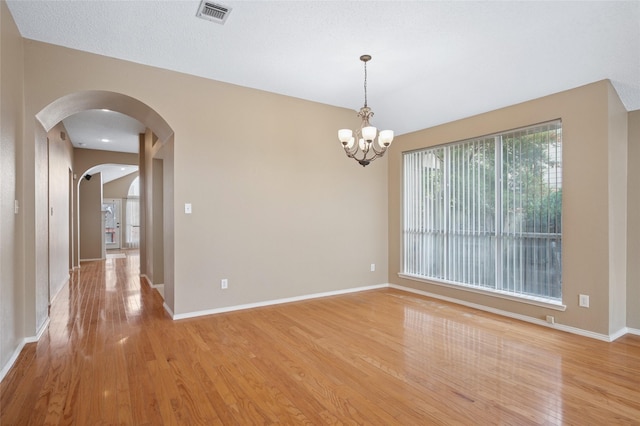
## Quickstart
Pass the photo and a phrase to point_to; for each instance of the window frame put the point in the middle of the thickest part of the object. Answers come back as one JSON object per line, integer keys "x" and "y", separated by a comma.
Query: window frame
{"x": 498, "y": 232}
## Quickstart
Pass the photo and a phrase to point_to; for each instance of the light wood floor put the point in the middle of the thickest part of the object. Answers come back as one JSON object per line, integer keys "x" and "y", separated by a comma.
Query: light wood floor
{"x": 112, "y": 356}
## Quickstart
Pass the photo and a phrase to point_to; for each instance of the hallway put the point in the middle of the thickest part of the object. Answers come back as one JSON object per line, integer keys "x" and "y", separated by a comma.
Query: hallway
{"x": 77, "y": 372}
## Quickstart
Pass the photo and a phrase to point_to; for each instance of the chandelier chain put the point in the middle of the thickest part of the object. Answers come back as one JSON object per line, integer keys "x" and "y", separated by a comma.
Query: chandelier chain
{"x": 365, "y": 84}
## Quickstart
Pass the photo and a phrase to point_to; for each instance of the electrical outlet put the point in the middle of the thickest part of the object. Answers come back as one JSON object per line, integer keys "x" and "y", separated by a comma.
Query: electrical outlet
{"x": 373, "y": 267}
{"x": 224, "y": 284}
{"x": 551, "y": 319}
{"x": 584, "y": 300}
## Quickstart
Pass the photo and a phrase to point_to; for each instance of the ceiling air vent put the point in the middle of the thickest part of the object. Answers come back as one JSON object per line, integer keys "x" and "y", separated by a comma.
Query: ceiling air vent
{"x": 213, "y": 12}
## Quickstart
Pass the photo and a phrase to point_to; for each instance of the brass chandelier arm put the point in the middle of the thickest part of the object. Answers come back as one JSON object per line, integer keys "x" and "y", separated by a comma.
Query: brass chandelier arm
{"x": 379, "y": 153}
{"x": 364, "y": 160}
{"x": 365, "y": 114}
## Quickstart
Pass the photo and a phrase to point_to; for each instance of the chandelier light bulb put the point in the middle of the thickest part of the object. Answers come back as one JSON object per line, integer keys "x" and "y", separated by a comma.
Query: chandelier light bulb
{"x": 369, "y": 133}
{"x": 344, "y": 135}
{"x": 385, "y": 138}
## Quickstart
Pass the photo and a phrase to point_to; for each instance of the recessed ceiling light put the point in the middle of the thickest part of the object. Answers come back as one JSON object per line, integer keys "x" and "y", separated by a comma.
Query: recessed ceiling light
{"x": 106, "y": 110}
{"x": 122, "y": 168}
{"x": 104, "y": 140}
{"x": 82, "y": 144}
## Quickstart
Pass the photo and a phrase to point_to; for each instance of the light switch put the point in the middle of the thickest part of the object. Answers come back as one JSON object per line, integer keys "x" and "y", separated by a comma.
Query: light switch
{"x": 187, "y": 208}
{"x": 584, "y": 300}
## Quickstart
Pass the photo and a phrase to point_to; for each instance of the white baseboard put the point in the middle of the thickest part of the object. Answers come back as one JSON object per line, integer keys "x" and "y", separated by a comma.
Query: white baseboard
{"x": 91, "y": 260}
{"x": 574, "y": 330}
{"x": 562, "y": 327}
{"x": 20, "y": 347}
{"x": 272, "y": 302}
{"x": 160, "y": 289}
{"x": 38, "y": 335}
{"x": 12, "y": 359}
{"x": 146, "y": 279}
{"x": 65, "y": 283}
{"x": 151, "y": 284}
{"x": 43, "y": 328}
{"x": 169, "y": 311}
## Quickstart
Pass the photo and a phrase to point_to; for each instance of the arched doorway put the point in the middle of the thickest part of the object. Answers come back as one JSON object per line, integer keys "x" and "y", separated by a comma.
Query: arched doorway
{"x": 156, "y": 143}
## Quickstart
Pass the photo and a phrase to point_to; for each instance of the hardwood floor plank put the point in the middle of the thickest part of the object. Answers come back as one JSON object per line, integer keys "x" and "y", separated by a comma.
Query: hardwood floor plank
{"x": 111, "y": 355}
{"x": 165, "y": 394}
{"x": 144, "y": 401}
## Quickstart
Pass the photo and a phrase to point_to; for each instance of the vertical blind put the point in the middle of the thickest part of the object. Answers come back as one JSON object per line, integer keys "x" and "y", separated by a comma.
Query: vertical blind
{"x": 486, "y": 212}
{"x": 132, "y": 234}
{"x": 132, "y": 216}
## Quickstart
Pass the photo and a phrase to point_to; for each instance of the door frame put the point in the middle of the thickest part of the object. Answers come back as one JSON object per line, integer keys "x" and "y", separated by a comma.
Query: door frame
{"x": 118, "y": 229}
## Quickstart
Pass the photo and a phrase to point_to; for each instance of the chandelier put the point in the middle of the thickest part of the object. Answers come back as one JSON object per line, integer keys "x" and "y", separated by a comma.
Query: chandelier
{"x": 368, "y": 147}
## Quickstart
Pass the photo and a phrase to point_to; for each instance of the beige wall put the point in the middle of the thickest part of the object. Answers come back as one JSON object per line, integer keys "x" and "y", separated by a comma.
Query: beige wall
{"x": 277, "y": 210}
{"x": 633, "y": 236}
{"x": 147, "y": 172}
{"x": 157, "y": 276}
{"x": 90, "y": 215}
{"x": 168, "y": 217}
{"x": 617, "y": 179}
{"x": 85, "y": 159}
{"x": 60, "y": 199}
{"x": 592, "y": 152}
{"x": 12, "y": 291}
{"x": 119, "y": 188}
{"x": 142, "y": 172}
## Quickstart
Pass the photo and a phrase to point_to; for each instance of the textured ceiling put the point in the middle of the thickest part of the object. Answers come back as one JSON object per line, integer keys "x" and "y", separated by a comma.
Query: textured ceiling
{"x": 433, "y": 62}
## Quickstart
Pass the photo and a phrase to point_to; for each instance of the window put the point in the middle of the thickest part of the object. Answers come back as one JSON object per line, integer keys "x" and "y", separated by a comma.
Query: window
{"x": 134, "y": 188}
{"x": 486, "y": 213}
{"x": 132, "y": 234}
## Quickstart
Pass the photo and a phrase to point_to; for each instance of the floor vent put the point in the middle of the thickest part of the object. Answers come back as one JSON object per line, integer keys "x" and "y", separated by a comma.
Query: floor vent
{"x": 213, "y": 12}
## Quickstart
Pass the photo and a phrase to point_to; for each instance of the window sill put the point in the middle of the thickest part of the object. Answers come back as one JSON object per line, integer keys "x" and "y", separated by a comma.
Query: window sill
{"x": 530, "y": 300}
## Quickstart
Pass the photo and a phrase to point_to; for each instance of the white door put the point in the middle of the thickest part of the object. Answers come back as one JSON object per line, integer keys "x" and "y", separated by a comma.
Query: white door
{"x": 111, "y": 207}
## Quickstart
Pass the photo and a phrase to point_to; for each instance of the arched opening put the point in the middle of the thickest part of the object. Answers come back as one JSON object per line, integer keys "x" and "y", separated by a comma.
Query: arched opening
{"x": 156, "y": 143}
{"x": 134, "y": 188}
{"x": 132, "y": 215}
{"x": 106, "y": 212}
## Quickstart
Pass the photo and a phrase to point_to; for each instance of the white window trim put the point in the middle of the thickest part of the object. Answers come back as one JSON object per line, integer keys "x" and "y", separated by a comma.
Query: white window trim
{"x": 529, "y": 300}
{"x": 522, "y": 298}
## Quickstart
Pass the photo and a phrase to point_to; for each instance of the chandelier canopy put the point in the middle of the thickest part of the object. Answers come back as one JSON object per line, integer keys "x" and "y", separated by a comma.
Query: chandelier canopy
{"x": 368, "y": 146}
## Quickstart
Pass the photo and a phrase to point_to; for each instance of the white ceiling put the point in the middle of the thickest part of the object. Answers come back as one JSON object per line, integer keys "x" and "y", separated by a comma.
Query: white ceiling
{"x": 433, "y": 61}
{"x": 112, "y": 172}
{"x": 104, "y": 130}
